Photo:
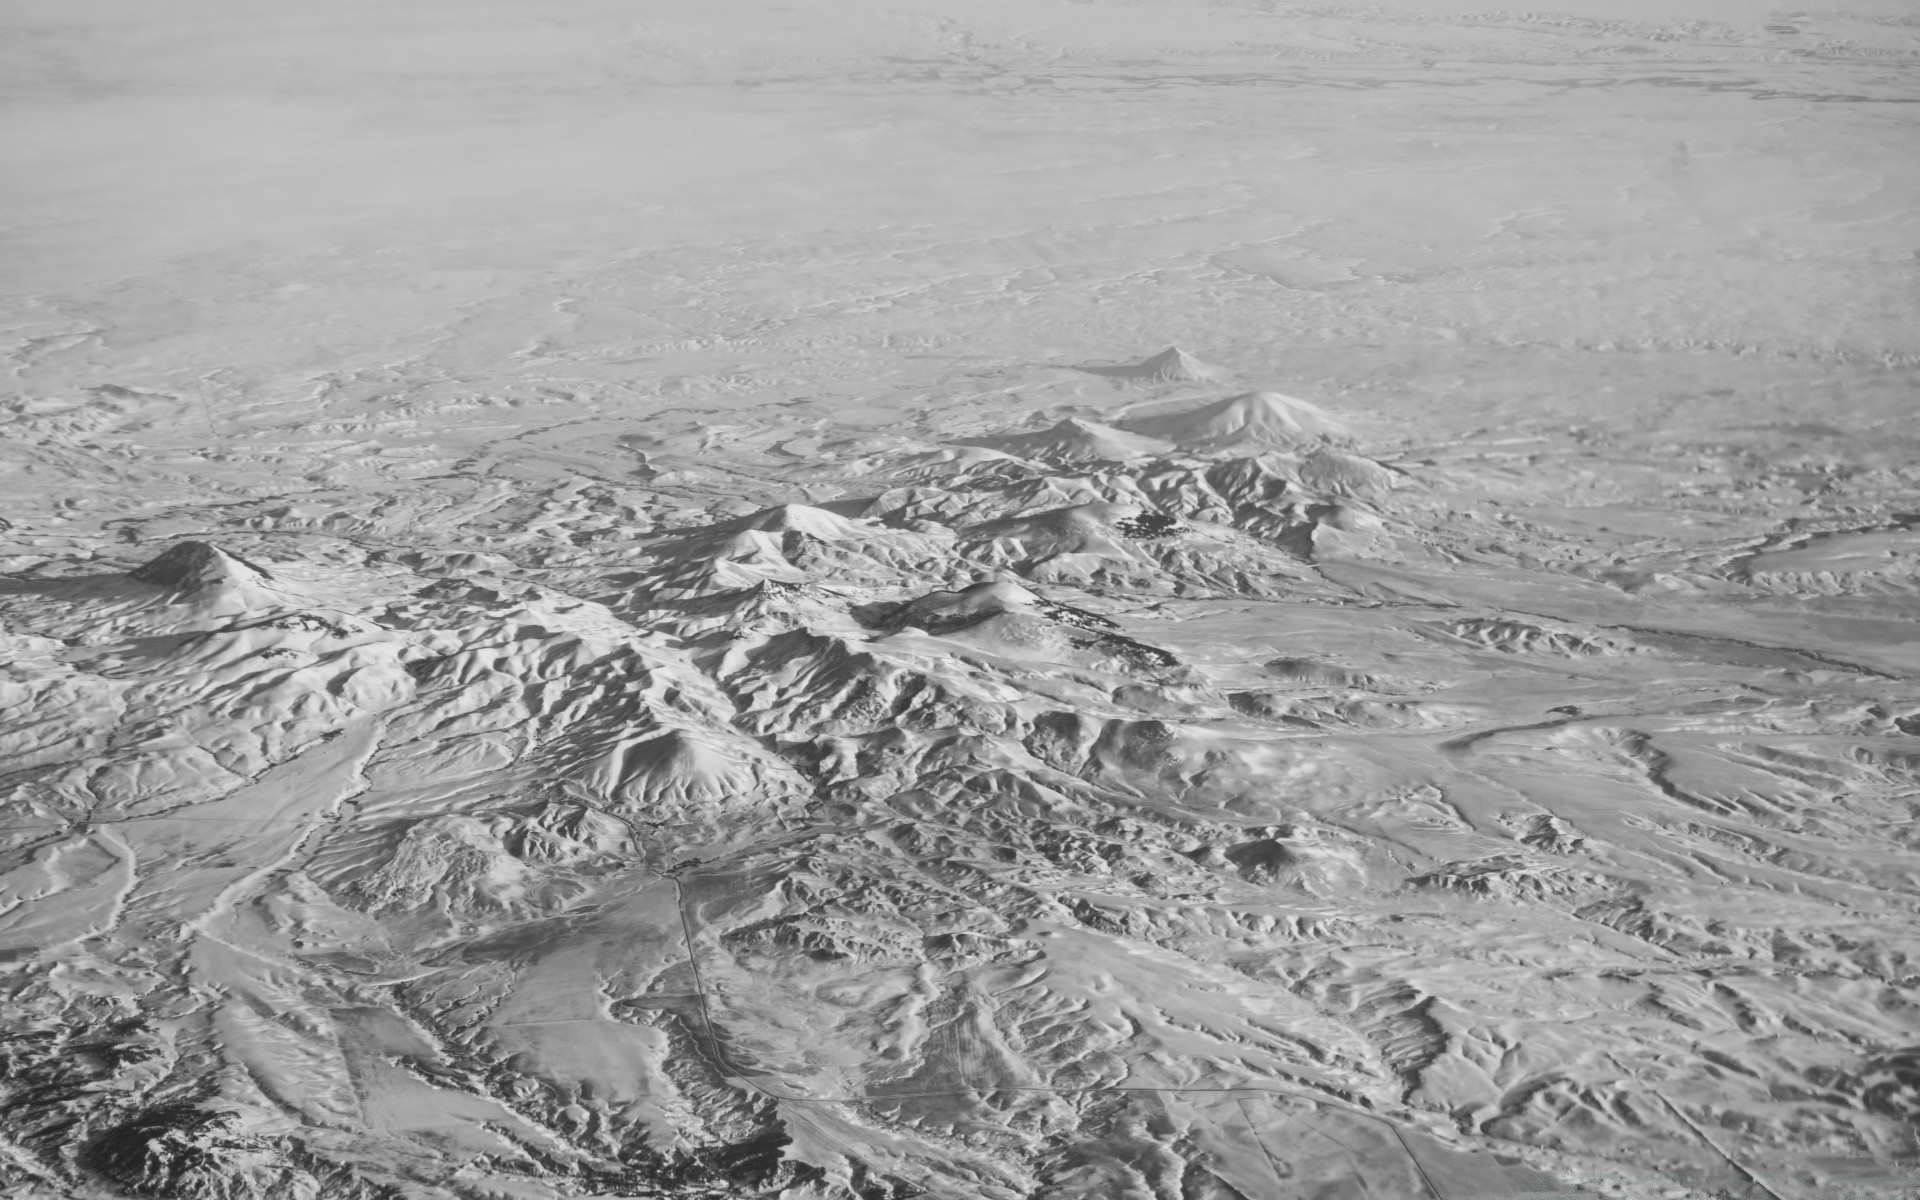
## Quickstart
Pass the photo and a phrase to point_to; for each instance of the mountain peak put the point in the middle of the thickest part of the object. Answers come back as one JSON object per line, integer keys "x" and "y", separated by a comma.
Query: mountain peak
{"x": 1265, "y": 417}
{"x": 1076, "y": 439}
{"x": 1172, "y": 365}
{"x": 801, "y": 518}
{"x": 198, "y": 567}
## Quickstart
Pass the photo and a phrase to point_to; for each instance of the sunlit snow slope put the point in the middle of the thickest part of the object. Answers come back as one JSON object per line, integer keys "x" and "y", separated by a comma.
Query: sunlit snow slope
{"x": 1189, "y": 601}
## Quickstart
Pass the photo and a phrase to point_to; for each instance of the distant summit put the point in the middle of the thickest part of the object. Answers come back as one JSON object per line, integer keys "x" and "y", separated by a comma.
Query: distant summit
{"x": 799, "y": 518}
{"x": 1266, "y": 418}
{"x": 1172, "y": 365}
{"x": 200, "y": 567}
{"x": 1075, "y": 440}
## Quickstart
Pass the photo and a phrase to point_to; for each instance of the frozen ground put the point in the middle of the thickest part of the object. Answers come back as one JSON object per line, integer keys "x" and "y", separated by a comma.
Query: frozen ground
{"x": 620, "y": 600}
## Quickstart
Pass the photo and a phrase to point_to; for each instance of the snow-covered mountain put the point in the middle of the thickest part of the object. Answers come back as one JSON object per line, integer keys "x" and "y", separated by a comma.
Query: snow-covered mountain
{"x": 906, "y": 841}
{"x": 1257, "y": 419}
{"x": 1114, "y": 600}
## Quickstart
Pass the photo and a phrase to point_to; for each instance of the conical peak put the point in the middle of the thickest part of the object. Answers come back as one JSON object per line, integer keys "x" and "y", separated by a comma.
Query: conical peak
{"x": 1256, "y": 405}
{"x": 1078, "y": 438}
{"x": 1273, "y": 410}
{"x": 1259, "y": 416}
{"x": 1172, "y": 365}
{"x": 1176, "y": 365}
{"x": 1273, "y": 402}
{"x": 198, "y": 566}
{"x": 1080, "y": 430}
{"x": 800, "y": 518}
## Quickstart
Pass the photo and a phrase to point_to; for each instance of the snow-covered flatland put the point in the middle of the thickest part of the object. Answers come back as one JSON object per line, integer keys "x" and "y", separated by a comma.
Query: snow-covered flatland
{"x": 877, "y": 598}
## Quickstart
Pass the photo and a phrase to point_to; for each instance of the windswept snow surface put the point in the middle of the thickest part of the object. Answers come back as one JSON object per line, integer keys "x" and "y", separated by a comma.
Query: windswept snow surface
{"x": 986, "y": 600}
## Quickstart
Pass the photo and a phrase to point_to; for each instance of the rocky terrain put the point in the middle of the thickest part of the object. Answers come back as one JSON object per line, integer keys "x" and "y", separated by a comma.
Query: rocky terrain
{"x": 854, "y": 715}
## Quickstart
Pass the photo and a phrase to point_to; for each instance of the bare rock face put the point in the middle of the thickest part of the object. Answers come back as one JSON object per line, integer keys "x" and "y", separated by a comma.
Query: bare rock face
{"x": 192, "y": 1154}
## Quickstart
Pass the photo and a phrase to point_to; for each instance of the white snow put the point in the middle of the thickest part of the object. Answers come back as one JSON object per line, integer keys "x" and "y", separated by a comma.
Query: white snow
{"x": 982, "y": 599}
